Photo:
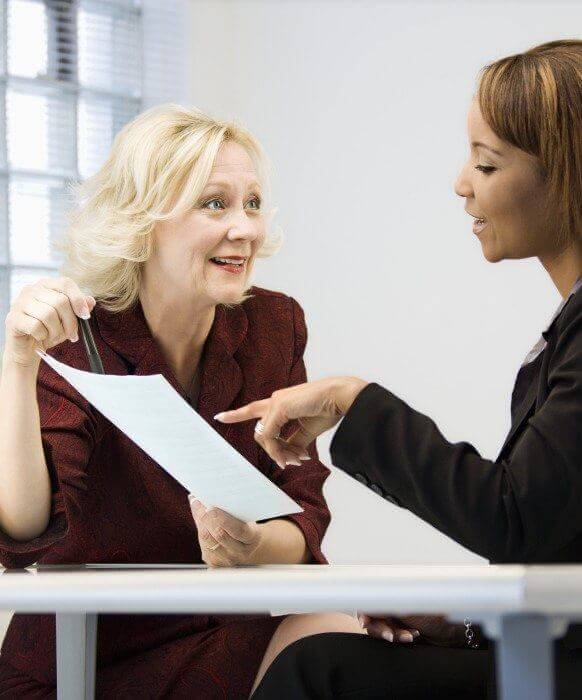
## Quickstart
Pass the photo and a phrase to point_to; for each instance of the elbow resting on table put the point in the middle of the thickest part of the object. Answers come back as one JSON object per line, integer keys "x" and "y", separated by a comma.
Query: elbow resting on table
{"x": 23, "y": 531}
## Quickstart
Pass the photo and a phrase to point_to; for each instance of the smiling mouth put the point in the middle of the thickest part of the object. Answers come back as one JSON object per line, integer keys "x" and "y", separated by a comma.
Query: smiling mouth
{"x": 235, "y": 264}
{"x": 479, "y": 223}
{"x": 239, "y": 262}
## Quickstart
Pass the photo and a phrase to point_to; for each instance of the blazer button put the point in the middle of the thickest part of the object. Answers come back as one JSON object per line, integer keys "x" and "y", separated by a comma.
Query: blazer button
{"x": 362, "y": 478}
{"x": 377, "y": 489}
{"x": 392, "y": 499}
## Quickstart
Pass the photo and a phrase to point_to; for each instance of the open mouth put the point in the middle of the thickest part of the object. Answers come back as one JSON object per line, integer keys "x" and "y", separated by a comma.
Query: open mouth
{"x": 234, "y": 265}
{"x": 479, "y": 223}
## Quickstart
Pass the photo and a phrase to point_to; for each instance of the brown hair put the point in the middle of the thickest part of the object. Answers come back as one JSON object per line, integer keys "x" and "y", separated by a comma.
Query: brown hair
{"x": 533, "y": 100}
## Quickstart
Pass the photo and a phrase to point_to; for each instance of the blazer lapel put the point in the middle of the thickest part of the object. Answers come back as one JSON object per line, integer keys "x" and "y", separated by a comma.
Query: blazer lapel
{"x": 529, "y": 400}
{"x": 221, "y": 375}
{"x": 127, "y": 333}
{"x": 522, "y": 412}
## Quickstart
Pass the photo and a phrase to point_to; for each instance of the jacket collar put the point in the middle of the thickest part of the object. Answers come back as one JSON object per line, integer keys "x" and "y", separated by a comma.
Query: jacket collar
{"x": 575, "y": 288}
{"x": 128, "y": 334}
{"x": 530, "y": 398}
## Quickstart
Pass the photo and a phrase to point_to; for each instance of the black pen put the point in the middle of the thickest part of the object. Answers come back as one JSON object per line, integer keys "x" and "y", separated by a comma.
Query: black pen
{"x": 92, "y": 352}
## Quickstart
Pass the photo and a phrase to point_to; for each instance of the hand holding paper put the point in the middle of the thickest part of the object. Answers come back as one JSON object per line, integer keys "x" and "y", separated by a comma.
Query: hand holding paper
{"x": 150, "y": 412}
{"x": 225, "y": 540}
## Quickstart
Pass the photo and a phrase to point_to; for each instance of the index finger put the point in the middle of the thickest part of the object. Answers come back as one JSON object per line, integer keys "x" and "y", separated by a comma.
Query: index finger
{"x": 70, "y": 289}
{"x": 256, "y": 409}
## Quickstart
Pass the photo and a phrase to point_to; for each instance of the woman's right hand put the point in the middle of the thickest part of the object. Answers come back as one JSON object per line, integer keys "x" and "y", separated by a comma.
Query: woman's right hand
{"x": 433, "y": 629}
{"x": 43, "y": 315}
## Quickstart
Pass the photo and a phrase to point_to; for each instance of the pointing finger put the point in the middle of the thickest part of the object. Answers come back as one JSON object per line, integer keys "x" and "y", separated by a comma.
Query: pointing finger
{"x": 256, "y": 409}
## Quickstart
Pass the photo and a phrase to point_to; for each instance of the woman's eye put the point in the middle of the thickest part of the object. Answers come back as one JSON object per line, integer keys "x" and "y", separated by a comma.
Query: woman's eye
{"x": 255, "y": 203}
{"x": 210, "y": 204}
{"x": 485, "y": 168}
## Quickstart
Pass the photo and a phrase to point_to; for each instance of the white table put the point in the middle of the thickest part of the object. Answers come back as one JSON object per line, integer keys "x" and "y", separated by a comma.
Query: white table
{"x": 523, "y": 608}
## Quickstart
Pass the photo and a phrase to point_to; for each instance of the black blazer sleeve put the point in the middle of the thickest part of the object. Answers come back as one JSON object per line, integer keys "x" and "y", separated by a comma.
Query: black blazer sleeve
{"x": 522, "y": 508}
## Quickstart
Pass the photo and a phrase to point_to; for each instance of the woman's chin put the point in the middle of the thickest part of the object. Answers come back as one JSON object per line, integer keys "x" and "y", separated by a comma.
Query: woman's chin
{"x": 491, "y": 254}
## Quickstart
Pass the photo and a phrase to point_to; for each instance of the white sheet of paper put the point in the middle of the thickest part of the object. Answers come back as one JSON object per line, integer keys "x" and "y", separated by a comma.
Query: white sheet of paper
{"x": 152, "y": 413}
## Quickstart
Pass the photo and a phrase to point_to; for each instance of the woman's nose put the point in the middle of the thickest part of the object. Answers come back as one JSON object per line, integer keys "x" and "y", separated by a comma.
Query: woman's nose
{"x": 243, "y": 228}
{"x": 247, "y": 232}
{"x": 462, "y": 184}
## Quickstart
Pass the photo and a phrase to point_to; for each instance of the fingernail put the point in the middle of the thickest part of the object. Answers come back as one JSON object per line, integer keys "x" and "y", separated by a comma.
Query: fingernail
{"x": 388, "y": 636}
{"x": 85, "y": 313}
{"x": 305, "y": 457}
{"x": 294, "y": 462}
{"x": 74, "y": 339}
{"x": 191, "y": 498}
{"x": 415, "y": 633}
{"x": 282, "y": 466}
{"x": 219, "y": 416}
{"x": 405, "y": 637}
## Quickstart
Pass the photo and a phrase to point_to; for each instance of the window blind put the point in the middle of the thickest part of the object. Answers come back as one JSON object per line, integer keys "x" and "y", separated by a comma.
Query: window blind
{"x": 72, "y": 73}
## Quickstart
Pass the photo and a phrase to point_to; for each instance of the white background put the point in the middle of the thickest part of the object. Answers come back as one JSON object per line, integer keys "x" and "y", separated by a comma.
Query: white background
{"x": 362, "y": 109}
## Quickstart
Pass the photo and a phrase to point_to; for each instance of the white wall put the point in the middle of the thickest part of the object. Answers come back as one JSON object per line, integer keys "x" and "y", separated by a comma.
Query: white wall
{"x": 362, "y": 107}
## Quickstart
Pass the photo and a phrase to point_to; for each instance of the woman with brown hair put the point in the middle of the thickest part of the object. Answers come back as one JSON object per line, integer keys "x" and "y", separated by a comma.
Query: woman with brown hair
{"x": 522, "y": 183}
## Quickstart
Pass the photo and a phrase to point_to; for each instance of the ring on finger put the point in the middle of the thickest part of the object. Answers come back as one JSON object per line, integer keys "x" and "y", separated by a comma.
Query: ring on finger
{"x": 260, "y": 429}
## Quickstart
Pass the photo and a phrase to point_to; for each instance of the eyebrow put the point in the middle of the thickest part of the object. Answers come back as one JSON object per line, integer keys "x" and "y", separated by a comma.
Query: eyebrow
{"x": 475, "y": 144}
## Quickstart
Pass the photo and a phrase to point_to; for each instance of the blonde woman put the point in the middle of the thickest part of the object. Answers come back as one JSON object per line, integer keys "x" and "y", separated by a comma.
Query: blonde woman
{"x": 159, "y": 256}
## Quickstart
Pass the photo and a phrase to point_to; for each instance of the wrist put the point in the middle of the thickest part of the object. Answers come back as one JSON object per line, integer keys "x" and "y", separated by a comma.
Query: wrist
{"x": 258, "y": 554}
{"x": 348, "y": 390}
{"x": 12, "y": 366}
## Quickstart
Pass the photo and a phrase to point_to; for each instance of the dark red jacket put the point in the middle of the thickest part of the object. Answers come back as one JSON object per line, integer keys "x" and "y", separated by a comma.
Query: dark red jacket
{"x": 113, "y": 503}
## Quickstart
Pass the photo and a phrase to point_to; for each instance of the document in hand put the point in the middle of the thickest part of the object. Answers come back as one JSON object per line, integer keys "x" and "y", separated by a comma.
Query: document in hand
{"x": 150, "y": 412}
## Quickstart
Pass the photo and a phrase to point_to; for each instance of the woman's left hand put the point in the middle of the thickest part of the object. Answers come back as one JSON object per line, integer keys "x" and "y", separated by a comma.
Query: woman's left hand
{"x": 224, "y": 540}
{"x": 311, "y": 408}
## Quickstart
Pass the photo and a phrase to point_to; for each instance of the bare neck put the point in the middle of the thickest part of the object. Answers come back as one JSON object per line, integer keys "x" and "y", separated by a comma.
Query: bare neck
{"x": 180, "y": 328}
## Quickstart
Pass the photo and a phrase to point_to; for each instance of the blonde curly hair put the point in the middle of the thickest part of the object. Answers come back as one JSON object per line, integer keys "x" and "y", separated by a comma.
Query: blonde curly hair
{"x": 158, "y": 165}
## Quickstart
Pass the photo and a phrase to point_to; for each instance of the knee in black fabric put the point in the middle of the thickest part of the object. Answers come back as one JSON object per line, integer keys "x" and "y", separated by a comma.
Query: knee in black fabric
{"x": 302, "y": 670}
{"x": 357, "y": 667}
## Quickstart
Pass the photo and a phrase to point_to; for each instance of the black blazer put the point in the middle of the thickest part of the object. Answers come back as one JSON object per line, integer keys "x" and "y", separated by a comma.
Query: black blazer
{"x": 524, "y": 507}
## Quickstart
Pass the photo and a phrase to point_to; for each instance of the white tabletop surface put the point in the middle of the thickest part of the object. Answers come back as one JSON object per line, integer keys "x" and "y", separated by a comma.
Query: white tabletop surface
{"x": 456, "y": 590}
